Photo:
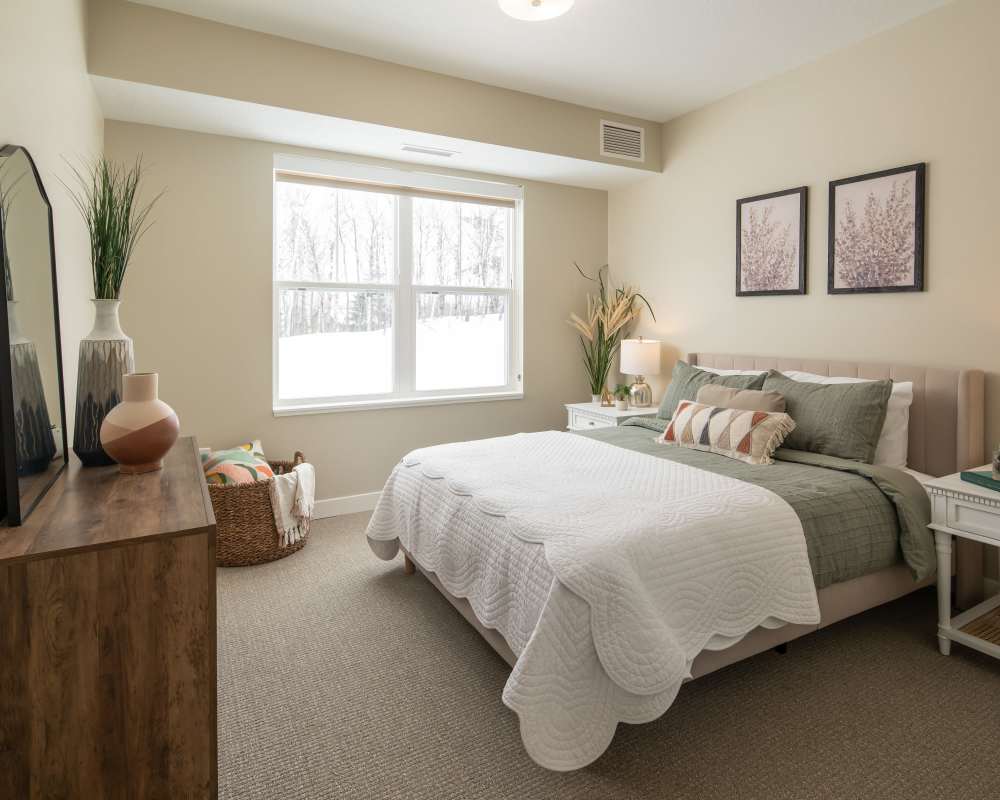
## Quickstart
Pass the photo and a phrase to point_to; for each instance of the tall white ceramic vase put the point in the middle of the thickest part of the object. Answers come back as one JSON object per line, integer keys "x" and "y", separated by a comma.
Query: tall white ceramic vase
{"x": 105, "y": 356}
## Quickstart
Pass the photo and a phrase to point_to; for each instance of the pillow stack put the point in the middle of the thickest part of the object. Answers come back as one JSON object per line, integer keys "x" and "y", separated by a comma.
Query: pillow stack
{"x": 748, "y": 415}
{"x": 687, "y": 380}
{"x": 893, "y": 441}
{"x": 843, "y": 420}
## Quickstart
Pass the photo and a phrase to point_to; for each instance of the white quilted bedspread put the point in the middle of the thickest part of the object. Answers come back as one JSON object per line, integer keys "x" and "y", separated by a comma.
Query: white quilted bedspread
{"x": 607, "y": 571}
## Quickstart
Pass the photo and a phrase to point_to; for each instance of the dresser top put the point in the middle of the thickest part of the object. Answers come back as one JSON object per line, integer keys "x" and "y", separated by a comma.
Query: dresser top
{"x": 98, "y": 507}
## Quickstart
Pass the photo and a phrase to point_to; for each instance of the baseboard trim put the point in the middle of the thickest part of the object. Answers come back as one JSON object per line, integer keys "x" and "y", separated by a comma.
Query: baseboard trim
{"x": 349, "y": 504}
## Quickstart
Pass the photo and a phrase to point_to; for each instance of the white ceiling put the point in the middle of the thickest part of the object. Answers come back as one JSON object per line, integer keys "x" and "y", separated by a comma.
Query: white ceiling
{"x": 653, "y": 59}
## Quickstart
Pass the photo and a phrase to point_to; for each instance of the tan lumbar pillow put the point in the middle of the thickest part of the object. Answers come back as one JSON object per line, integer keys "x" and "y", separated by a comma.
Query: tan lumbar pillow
{"x": 743, "y": 399}
{"x": 750, "y": 436}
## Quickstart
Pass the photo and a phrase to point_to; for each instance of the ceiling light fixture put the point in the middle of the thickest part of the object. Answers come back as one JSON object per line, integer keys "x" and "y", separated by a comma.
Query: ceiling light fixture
{"x": 535, "y": 10}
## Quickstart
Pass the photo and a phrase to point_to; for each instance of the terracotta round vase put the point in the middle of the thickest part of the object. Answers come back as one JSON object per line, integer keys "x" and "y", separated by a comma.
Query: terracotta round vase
{"x": 140, "y": 430}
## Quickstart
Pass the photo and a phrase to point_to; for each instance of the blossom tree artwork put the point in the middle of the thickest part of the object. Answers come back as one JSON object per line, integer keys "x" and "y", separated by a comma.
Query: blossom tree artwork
{"x": 876, "y": 232}
{"x": 770, "y": 249}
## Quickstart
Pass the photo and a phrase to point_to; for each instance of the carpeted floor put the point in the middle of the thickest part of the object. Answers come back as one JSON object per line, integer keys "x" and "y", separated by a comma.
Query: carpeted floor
{"x": 341, "y": 678}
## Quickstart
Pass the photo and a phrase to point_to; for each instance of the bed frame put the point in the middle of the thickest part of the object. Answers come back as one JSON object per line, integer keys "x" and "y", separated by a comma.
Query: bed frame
{"x": 945, "y": 435}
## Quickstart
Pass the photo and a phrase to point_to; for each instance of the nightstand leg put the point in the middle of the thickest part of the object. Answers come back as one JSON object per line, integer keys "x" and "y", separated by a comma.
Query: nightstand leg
{"x": 943, "y": 542}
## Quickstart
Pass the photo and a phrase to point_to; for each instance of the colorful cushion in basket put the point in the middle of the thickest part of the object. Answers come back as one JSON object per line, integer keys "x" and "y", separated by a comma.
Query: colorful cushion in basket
{"x": 243, "y": 464}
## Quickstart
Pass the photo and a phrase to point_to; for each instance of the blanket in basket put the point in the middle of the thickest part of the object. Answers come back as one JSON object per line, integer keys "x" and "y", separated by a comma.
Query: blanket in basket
{"x": 292, "y": 499}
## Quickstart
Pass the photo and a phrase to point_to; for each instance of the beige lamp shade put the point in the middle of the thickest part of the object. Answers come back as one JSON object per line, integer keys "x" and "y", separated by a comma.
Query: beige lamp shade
{"x": 640, "y": 357}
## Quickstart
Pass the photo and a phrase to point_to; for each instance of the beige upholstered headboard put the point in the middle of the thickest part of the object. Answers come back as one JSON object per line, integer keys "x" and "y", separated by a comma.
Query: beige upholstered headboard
{"x": 946, "y": 418}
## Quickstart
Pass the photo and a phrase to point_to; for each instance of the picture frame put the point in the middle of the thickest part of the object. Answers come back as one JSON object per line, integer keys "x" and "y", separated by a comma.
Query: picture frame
{"x": 771, "y": 243}
{"x": 891, "y": 203}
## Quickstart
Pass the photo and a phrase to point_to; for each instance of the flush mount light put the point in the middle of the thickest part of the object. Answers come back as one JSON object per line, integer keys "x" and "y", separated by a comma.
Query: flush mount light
{"x": 535, "y": 10}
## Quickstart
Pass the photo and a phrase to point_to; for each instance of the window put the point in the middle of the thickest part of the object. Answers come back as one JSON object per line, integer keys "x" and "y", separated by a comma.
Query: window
{"x": 393, "y": 288}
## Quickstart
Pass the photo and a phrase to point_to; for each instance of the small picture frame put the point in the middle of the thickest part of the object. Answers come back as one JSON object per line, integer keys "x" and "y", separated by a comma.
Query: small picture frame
{"x": 771, "y": 243}
{"x": 876, "y": 234}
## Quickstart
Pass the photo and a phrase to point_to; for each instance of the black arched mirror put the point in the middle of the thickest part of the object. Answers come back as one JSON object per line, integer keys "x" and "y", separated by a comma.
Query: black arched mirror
{"x": 32, "y": 412}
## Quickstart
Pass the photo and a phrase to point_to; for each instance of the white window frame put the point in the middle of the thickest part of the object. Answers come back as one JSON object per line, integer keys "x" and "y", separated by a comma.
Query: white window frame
{"x": 403, "y": 291}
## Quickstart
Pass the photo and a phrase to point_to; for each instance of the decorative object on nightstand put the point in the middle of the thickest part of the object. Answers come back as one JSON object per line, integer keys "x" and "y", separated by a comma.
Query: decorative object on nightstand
{"x": 609, "y": 312}
{"x": 640, "y": 357}
{"x": 106, "y": 198}
{"x": 621, "y": 397}
{"x": 965, "y": 509}
{"x": 985, "y": 478}
{"x": 586, "y": 416}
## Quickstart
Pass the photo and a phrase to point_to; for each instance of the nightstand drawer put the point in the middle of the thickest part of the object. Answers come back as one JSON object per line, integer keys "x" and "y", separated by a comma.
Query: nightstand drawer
{"x": 963, "y": 515}
{"x": 581, "y": 421}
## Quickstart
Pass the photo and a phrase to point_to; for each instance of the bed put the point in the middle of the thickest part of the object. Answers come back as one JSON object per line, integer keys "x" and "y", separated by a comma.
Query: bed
{"x": 817, "y": 542}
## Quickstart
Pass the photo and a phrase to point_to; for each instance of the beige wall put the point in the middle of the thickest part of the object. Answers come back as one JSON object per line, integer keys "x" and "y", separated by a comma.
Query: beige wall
{"x": 149, "y": 45}
{"x": 197, "y": 301}
{"x": 926, "y": 91}
{"x": 48, "y": 106}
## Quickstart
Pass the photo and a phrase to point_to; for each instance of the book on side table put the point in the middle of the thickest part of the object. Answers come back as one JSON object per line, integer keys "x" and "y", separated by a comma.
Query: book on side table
{"x": 982, "y": 478}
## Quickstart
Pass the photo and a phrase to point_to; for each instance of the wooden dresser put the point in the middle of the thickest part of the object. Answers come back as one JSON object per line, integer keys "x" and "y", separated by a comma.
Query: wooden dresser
{"x": 107, "y": 637}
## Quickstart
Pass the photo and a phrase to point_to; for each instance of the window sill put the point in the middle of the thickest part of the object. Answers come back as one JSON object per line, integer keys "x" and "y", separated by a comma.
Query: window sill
{"x": 394, "y": 402}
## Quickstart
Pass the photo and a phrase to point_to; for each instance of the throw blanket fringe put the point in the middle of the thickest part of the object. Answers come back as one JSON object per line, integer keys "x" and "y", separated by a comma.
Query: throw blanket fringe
{"x": 292, "y": 500}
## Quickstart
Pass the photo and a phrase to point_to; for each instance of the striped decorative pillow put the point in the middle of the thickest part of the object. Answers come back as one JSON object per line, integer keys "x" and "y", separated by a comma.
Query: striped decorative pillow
{"x": 750, "y": 436}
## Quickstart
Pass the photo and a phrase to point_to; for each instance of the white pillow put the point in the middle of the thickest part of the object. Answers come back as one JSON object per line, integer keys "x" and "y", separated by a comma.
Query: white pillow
{"x": 894, "y": 441}
{"x": 731, "y": 371}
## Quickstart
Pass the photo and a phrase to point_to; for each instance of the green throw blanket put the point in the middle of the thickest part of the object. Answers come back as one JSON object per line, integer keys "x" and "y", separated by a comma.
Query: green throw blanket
{"x": 857, "y": 518}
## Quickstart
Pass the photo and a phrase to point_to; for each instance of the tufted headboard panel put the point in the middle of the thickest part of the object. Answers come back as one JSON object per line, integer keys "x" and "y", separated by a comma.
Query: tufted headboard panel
{"x": 946, "y": 418}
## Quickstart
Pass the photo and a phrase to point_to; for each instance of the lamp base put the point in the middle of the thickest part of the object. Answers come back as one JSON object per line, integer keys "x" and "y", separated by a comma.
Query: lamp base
{"x": 640, "y": 393}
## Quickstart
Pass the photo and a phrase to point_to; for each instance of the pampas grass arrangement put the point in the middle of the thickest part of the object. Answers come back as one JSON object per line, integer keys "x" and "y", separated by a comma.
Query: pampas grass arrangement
{"x": 609, "y": 312}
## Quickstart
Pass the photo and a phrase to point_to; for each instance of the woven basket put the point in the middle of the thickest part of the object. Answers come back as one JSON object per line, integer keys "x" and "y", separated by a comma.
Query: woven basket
{"x": 245, "y": 532}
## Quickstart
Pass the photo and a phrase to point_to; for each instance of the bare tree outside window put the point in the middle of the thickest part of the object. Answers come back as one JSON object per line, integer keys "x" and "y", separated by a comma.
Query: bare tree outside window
{"x": 340, "y": 291}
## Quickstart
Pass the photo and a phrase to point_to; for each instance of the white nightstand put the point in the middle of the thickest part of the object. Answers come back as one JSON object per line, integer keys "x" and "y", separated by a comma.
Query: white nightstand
{"x": 959, "y": 508}
{"x": 584, "y": 416}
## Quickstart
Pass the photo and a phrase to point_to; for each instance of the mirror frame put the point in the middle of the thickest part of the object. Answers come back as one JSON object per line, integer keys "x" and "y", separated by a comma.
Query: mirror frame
{"x": 15, "y": 515}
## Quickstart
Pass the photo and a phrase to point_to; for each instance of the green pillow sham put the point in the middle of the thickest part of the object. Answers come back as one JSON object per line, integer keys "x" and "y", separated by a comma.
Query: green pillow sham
{"x": 843, "y": 420}
{"x": 687, "y": 380}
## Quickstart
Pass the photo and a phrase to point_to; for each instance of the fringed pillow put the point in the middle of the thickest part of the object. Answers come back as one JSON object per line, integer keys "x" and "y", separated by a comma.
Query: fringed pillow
{"x": 750, "y": 436}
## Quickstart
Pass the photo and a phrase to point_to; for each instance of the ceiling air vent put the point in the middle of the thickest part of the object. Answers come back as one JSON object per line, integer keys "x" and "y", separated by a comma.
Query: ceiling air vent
{"x": 619, "y": 140}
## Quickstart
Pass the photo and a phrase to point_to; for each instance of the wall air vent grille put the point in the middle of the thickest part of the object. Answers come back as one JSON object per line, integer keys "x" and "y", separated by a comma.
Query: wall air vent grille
{"x": 619, "y": 140}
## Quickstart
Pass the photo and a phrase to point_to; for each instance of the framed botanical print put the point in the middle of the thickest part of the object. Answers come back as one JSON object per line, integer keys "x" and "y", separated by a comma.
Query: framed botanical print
{"x": 876, "y": 240}
{"x": 771, "y": 243}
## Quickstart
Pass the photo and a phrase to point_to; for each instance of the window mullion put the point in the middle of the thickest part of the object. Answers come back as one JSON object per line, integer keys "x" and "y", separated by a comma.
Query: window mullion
{"x": 405, "y": 355}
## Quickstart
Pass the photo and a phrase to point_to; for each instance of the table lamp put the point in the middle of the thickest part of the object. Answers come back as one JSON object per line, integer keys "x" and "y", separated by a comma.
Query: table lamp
{"x": 640, "y": 357}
